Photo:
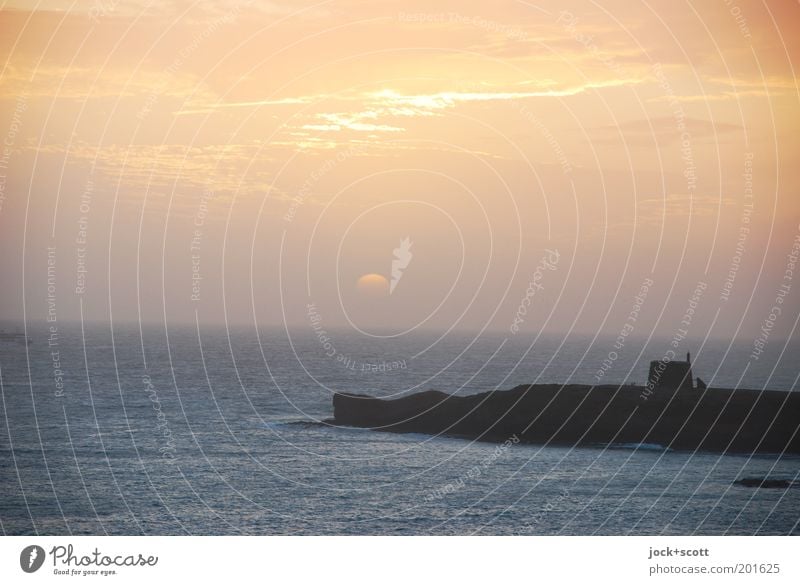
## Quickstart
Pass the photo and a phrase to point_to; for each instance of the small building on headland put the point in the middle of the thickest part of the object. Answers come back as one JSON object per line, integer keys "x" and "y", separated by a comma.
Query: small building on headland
{"x": 672, "y": 375}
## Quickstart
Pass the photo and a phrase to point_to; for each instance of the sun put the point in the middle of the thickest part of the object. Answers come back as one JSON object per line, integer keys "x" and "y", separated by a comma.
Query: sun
{"x": 373, "y": 285}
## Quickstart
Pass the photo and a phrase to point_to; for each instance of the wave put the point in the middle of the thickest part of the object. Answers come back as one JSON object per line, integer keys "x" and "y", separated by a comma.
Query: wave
{"x": 639, "y": 446}
{"x": 294, "y": 423}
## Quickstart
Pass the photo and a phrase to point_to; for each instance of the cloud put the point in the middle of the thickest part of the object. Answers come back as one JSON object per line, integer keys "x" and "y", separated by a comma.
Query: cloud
{"x": 682, "y": 205}
{"x": 448, "y": 99}
{"x": 227, "y": 167}
{"x": 80, "y": 83}
{"x": 207, "y": 108}
{"x": 723, "y": 89}
{"x": 662, "y": 130}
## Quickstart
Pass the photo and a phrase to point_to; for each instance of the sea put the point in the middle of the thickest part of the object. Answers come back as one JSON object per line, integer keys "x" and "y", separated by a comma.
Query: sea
{"x": 128, "y": 429}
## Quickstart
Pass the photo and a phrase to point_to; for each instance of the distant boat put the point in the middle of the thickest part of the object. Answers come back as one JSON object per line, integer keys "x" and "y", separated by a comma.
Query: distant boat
{"x": 15, "y": 337}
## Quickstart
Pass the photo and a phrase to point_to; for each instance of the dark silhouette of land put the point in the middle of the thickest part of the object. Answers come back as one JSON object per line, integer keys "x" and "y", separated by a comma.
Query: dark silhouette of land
{"x": 671, "y": 413}
{"x": 762, "y": 482}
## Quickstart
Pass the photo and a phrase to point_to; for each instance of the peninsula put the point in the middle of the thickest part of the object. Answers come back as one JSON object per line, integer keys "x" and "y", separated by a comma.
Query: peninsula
{"x": 669, "y": 411}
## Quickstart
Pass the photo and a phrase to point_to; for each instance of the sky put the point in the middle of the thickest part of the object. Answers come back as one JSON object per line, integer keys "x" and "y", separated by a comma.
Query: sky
{"x": 518, "y": 166}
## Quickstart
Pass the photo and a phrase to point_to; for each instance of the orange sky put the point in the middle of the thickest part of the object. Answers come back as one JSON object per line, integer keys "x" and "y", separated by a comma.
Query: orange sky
{"x": 281, "y": 150}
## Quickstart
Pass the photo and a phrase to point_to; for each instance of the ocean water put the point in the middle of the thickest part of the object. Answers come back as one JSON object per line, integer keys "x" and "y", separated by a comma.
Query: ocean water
{"x": 189, "y": 430}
